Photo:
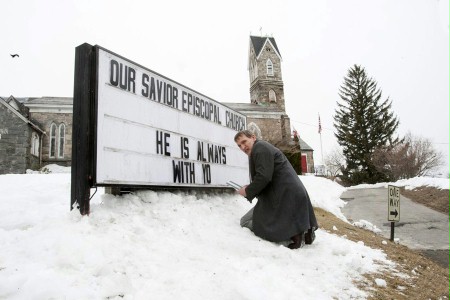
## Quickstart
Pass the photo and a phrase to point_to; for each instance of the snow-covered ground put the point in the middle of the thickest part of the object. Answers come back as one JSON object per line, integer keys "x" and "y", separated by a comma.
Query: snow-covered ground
{"x": 410, "y": 184}
{"x": 161, "y": 245}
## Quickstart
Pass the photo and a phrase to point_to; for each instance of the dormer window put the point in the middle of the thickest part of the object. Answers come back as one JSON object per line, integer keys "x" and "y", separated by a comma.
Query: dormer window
{"x": 269, "y": 66}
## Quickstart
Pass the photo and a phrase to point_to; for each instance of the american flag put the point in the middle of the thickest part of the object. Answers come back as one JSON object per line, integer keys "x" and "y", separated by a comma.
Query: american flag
{"x": 320, "y": 126}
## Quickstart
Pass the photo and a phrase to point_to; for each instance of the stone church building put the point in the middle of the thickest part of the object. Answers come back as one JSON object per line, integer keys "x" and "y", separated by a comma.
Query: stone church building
{"x": 35, "y": 132}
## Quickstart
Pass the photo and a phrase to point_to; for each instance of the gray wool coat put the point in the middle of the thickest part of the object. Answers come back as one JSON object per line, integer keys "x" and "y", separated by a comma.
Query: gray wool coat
{"x": 283, "y": 208}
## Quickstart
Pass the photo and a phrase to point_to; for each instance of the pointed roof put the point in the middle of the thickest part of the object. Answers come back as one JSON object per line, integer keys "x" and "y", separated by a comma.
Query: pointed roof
{"x": 17, "y": 109}
{"x": 304, "y": 145}
{"x": 17, "y": 105}
{"x": 259, "y": 42}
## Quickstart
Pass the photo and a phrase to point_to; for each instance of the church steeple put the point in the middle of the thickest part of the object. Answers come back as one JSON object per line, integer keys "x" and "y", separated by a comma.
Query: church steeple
{"x": 264, "y": 65}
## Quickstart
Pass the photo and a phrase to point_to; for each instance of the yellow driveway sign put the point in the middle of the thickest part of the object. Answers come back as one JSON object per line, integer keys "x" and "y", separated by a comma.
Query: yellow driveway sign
{"x": 393, "y": 203}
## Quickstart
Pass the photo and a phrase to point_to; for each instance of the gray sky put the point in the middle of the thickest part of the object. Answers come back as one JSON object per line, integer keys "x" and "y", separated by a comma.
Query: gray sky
{"x": 402, "y": 44}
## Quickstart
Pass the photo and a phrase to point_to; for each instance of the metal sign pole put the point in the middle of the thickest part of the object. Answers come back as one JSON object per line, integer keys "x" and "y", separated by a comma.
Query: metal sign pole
{"x": 393, "y": 207}
{"x": 392, "y": 231}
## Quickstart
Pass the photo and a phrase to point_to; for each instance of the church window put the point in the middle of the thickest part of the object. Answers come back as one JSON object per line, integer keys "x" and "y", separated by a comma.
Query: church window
{"x": 57, "y": 140}
{"x": 269, "y": 66}
{"x": 272, "y": 96}
{"x": 52, "y": 140}
{"x": 62, "y": 137}
{"x": 34, "y": 144}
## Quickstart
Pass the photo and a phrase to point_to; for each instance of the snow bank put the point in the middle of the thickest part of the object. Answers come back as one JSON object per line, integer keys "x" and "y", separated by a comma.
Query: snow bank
{"x": 325, "y": 194}
{"x": 162, "y": 245}
{"x": 410, "y": 184}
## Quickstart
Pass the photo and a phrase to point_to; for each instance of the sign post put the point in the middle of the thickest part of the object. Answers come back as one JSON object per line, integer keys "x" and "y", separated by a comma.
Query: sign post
{"x": 393, "y": 207}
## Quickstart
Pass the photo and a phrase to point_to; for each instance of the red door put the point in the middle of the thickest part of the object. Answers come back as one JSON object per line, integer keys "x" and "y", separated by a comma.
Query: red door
{"x": 304, "y": 165}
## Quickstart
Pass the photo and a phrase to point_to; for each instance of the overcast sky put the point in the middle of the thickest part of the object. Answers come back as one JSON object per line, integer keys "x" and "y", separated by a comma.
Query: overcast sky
{"x": 402, "y": 44}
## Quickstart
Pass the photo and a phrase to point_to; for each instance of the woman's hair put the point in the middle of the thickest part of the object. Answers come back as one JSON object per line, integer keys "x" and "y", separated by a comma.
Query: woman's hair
{"x": 247, "y": 133}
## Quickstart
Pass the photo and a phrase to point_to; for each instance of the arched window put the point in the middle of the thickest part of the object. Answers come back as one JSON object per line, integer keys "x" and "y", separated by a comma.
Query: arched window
{"x": 272, "y": 96}
{"x": 52, "y": 144}
{"x": 34, "y": 144}
{"x": 61, "y": 140}
{"x": 269, "y": 66}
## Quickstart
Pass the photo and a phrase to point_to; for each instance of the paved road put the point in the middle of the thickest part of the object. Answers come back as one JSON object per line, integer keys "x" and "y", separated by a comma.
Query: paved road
{"x": 419, "y": 228}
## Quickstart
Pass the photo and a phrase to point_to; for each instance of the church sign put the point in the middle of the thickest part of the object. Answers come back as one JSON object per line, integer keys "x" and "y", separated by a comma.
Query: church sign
{"x": 135, "y": 127}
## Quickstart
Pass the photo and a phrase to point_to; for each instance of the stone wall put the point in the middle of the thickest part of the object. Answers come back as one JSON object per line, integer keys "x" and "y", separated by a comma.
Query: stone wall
{"x": 33, "y": 162}
{"x": 309, "y": 160}
{"x": 14, "y": 143}
{"x": 273, "y": 130}
{"x": 260, "y": 91}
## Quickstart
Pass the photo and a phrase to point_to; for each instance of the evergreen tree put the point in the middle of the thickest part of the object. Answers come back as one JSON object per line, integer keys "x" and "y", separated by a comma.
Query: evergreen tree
{"x": 363, "y": 123}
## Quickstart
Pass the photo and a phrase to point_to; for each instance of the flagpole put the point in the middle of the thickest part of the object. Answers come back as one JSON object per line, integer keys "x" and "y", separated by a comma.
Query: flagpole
{"x": 321, "y": 149}
{"x": 320, "y": 134}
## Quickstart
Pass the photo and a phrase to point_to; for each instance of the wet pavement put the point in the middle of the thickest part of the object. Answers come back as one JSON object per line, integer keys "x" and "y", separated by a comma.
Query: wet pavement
{"x": 419, "y": 228}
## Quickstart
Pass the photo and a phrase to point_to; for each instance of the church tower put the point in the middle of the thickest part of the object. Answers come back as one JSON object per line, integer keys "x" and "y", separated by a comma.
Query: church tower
{"x": 266, "y": 112}
{"x": 264, "y": 66}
